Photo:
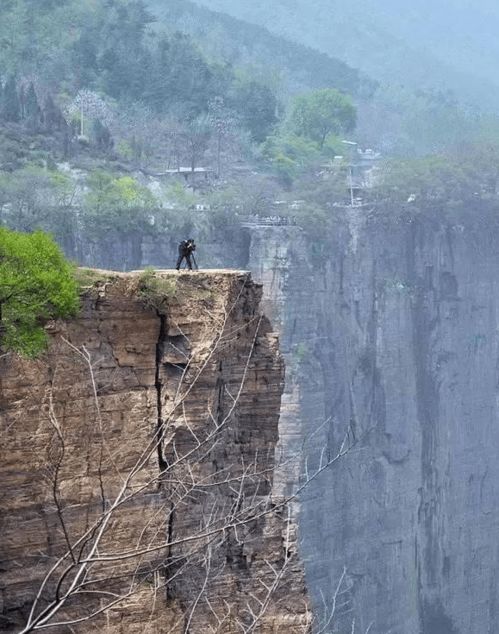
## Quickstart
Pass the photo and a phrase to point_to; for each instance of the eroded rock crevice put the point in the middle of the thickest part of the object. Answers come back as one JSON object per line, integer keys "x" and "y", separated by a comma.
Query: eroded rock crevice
{"x": 158, "y": 384}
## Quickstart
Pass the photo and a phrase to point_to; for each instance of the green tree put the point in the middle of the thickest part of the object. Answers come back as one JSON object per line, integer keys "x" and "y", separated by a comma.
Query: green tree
{"x": 322, "y": 113}
{"x": 118, "y": 203}
{"x": 22, "y": 102}
{"x": 119, "y": 209}
{"x": 36, "y": 284}
{"x": 32, "y": 110}
{"x": 257, "y": 107}
{"x": 197, "y": 137}
{"x": 102, "y": 136}
{"x": 446, "y": 180}
{"x": 84, "y": 58}
{"x": 52, "y": 115}
{"x": 11, "y": 106}
{"x": 35, "y": 198}
{"x": 290, "y": 155}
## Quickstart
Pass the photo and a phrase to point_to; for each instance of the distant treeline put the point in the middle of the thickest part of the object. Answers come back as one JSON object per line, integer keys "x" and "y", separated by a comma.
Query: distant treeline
{"x": 298, "y": 67}
{"x": 107, "y": 46}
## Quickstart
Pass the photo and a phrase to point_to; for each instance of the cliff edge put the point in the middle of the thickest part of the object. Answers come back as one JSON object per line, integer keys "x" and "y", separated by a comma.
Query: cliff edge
{"x": 137, "y": 466}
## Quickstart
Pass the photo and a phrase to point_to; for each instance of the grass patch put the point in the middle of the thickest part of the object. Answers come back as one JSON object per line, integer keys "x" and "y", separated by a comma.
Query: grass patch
{"x": 155, "y": 290}
{"x": 86, "y": 278}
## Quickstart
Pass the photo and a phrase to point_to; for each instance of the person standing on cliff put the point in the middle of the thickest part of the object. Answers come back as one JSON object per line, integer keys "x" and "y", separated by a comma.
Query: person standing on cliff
{"x": 186, "y": 251}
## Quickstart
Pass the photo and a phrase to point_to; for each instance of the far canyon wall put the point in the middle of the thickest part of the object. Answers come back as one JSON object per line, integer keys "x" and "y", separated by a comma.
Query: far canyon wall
{"x": 392, "y": 338}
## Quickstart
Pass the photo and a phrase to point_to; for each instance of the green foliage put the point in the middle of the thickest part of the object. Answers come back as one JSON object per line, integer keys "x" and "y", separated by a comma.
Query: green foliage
{"x": 52, "y": 115}
{"x": 430, "y": 121}
{"x": 289, "y": 155}
{"x": 86, "y": 278}
{"x": 222, "y": 216}
{"x": 125, "y": 150}
{"x": 257, "y": 107}
{"x": 445, "y": 181}
{"x": 102, "y": 136}
{"x": 285, "y": 169}
{"x": 320, "y": 210}
{"x": 181, "y": 196}
{"x": 11, "y": 106}
{"x": 292, "y": 156}
{"x": 300, "y": 150}
{"x": 36, "y": 284}
{"x": 108, "y": 47}
{"x": 251, "y": 46}
{"x": 34, "y": 197}
{"x": 117, "y": 203}
{"x": 322, "y": 113}
{"x": 32, "y": 111}
{"x": 155, "y": 289}
{"x": 323, "y": 191}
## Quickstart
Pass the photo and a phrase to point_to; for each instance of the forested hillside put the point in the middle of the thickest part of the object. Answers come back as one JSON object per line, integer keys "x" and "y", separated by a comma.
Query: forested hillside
{"x": 107, "y": 47}
{"x": 102, "y": 108}
{"x": 393, "y": 42}
{"x": 289, "y": 66}
{"x": 419, "y": 103}
{"x": 118, "y": 125}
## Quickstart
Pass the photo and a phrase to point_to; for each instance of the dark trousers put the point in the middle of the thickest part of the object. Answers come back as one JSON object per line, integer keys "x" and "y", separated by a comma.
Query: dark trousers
{"x": 187, "y": 259}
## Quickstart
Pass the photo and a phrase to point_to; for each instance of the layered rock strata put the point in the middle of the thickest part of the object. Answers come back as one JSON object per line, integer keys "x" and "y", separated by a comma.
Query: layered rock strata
{"x": 137, "y": 466}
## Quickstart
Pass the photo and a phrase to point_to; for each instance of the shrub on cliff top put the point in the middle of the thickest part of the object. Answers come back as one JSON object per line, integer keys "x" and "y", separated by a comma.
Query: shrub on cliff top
{"x": 36, "y": 284}
{"x": 155, "y": 290}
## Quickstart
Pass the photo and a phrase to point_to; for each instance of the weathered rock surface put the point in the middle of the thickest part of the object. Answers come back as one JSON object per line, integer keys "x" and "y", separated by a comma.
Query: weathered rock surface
{"x": 393, "y": 337}
{"x": 172, "y": 409}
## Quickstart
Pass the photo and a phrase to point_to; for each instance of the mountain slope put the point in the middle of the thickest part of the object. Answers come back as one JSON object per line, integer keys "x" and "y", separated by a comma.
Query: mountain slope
{"x": 295, "y": 66}
{"x": 448, "y": 44}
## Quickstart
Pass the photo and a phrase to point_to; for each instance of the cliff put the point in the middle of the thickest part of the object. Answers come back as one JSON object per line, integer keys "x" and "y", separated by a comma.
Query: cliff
{"x": 137, "y": 466}
{"x": 392, "y": 336}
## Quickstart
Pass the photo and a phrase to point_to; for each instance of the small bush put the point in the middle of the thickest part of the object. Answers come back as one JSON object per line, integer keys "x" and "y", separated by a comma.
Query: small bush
{"x": 155, "y": 290}
{"x": 37, "y": 283}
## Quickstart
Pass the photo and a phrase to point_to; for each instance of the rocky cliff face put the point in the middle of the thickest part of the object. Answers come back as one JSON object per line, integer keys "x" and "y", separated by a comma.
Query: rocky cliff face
{"x": 392, "y": 339}
{"x": 137, "y": 466}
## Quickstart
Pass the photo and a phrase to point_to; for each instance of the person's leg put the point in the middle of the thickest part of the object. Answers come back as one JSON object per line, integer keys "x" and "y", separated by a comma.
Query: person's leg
{"x": 189, "y": 262}
{"x": 179, "y": 262}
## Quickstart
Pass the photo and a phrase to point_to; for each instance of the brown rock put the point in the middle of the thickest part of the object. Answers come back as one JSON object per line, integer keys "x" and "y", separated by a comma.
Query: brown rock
{"x": 185, "y": 396}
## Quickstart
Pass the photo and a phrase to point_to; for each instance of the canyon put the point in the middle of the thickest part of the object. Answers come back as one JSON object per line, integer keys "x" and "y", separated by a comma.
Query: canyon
{"x": 388, "y": 327}
{"x": 391, "y": 337}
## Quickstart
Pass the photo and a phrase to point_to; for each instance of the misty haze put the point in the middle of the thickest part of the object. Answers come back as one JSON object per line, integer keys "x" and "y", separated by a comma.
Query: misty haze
{"x": 249, "y": 316}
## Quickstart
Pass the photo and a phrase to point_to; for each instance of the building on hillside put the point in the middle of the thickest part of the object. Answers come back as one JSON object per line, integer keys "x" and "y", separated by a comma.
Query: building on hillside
{"x": 361, "y": 168}
{"x": 197, "y": 178}
{"x": 190, "y": 175}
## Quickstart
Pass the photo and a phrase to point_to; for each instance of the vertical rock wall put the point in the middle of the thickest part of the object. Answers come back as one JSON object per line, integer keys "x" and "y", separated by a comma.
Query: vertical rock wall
{"x": 393, "y": 339}
{"x": 185, "y": 395}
